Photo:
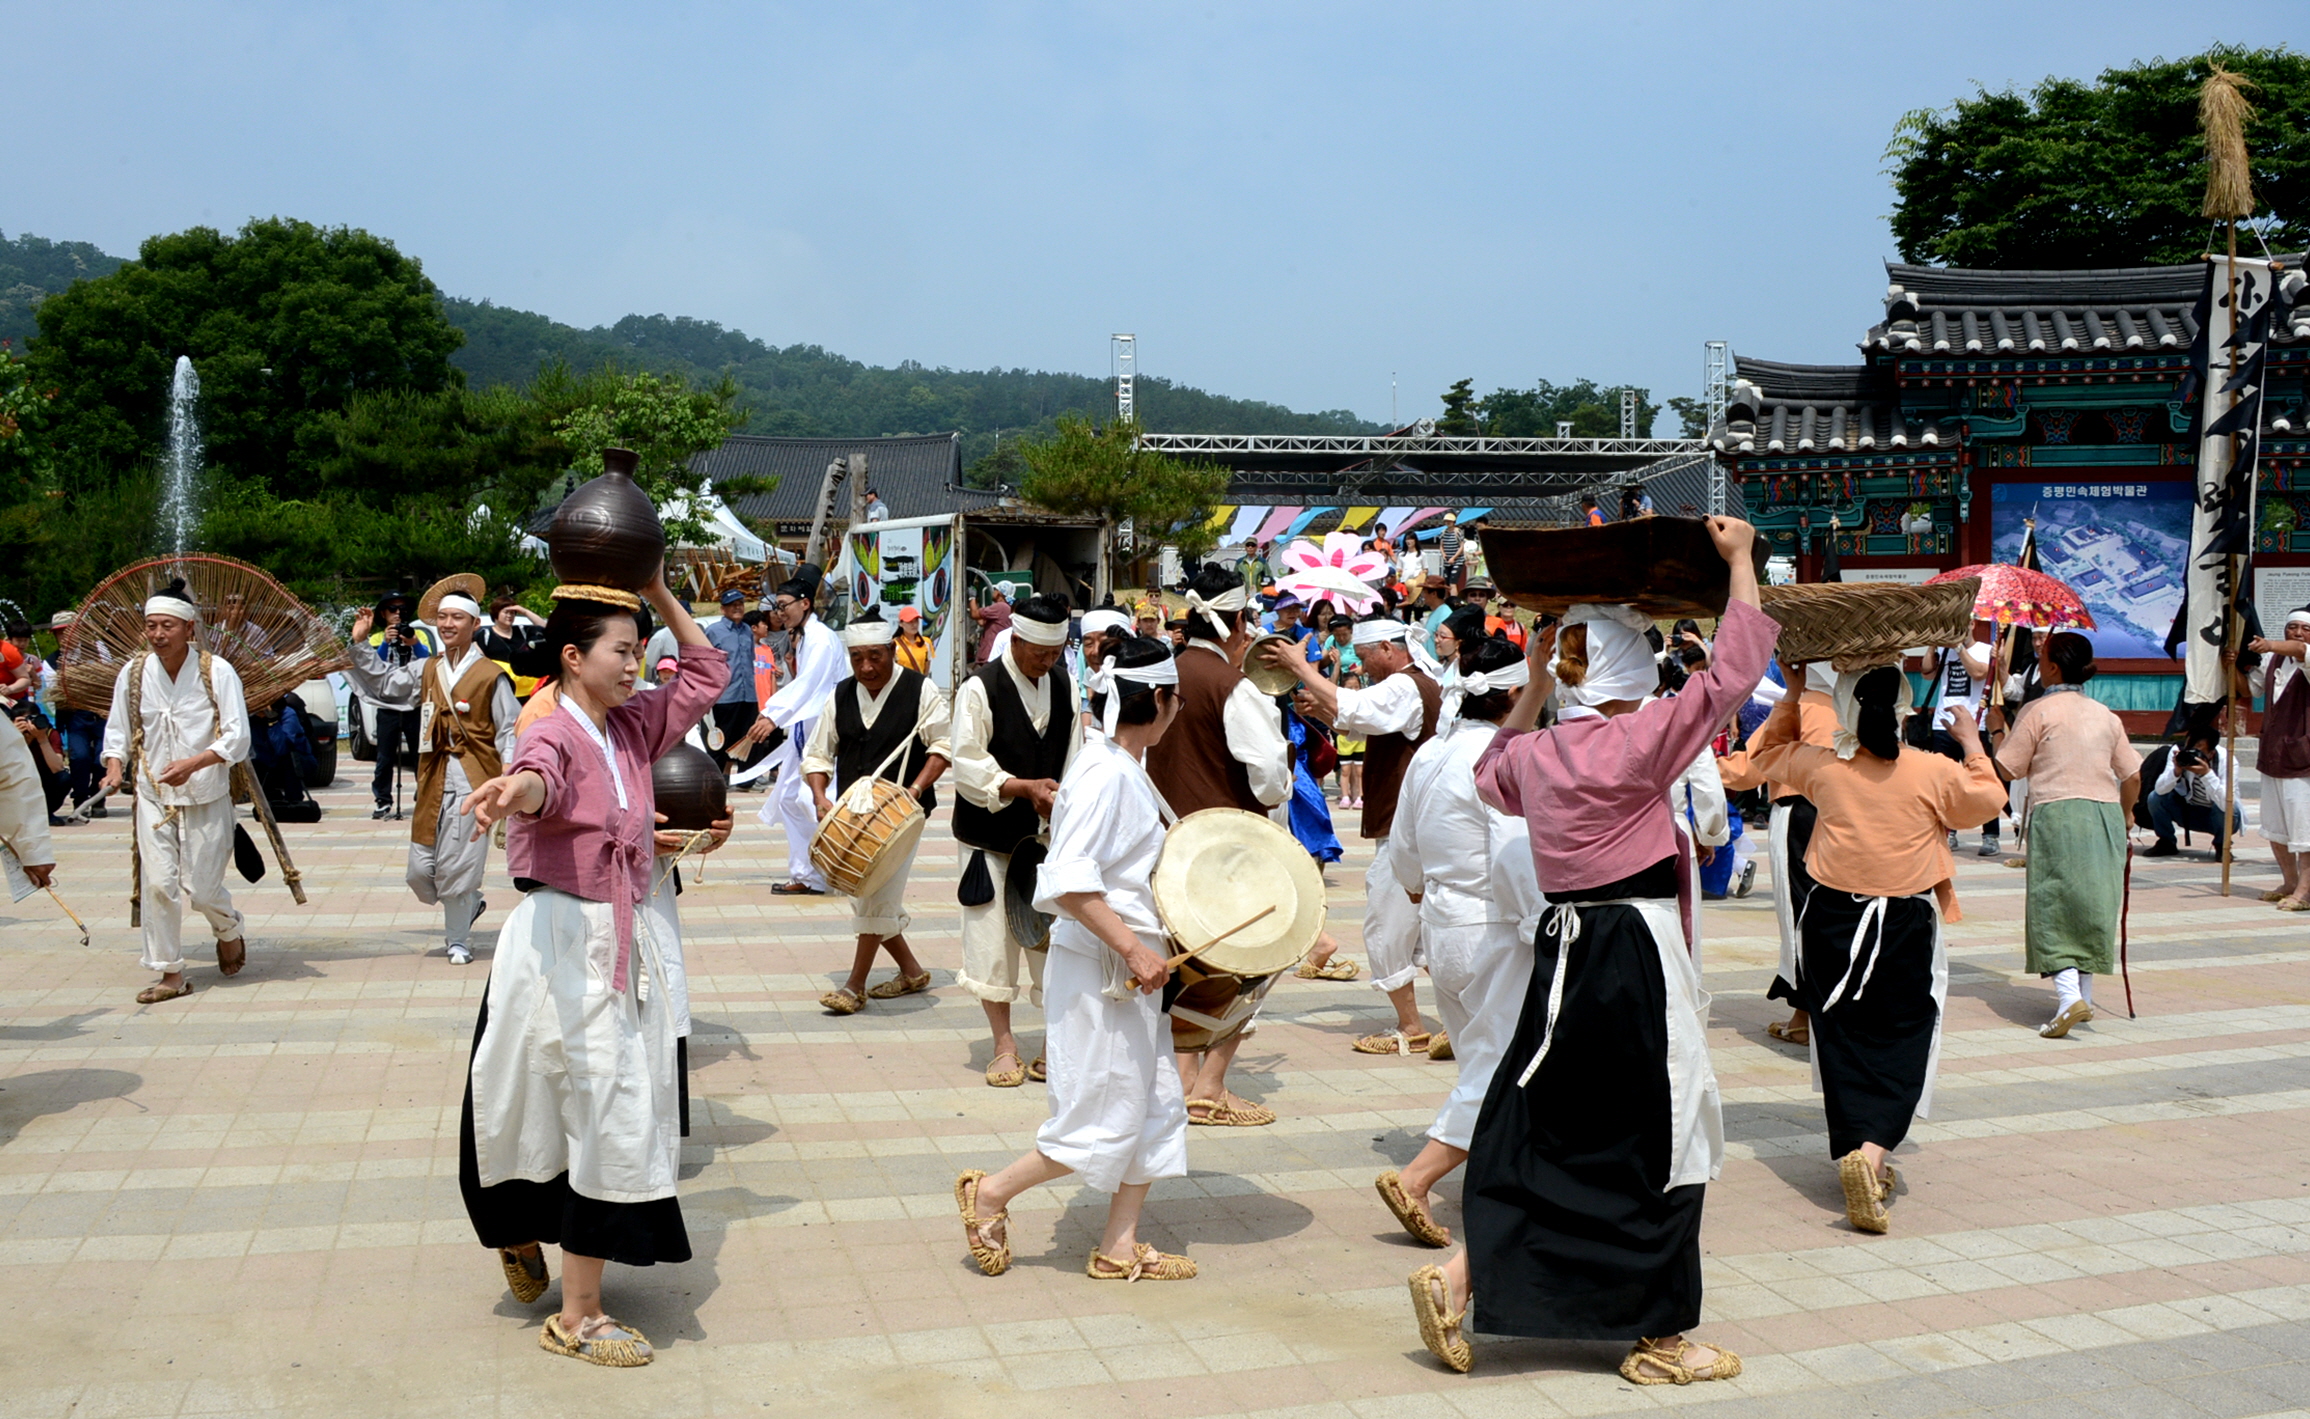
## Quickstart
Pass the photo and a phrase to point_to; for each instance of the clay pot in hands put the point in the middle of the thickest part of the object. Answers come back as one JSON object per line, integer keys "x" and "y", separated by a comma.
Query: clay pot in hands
{"x": 607, "y": 533}
{"x": 689, "y": 789}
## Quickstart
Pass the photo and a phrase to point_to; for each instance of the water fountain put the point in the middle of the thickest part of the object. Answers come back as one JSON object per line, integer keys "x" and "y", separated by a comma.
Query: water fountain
{"x": 180, "y": 468}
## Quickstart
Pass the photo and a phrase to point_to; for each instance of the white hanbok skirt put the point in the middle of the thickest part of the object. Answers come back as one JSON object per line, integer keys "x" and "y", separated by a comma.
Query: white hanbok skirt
{"x": 1118, "y": 1115}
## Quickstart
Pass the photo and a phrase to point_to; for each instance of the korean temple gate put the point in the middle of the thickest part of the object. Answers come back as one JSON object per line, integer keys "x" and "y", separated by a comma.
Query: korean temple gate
{"x": 1988, "y": 397}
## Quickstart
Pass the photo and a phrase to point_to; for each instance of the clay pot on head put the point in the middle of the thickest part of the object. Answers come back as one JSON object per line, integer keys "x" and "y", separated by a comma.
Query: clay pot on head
{"x": 607, "y": 533}
{"x": 689, "y": 789}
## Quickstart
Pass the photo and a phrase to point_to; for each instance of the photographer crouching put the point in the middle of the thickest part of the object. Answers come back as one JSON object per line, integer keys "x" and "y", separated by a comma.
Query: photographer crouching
{"x": 2188, "y": 794}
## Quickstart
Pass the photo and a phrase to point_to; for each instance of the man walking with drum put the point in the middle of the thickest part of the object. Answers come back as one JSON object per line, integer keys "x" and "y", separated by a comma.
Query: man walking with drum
{"x": 885, "y": 721}
{"x": 1015, "y": 732}
{"x": 1226, "y": 750}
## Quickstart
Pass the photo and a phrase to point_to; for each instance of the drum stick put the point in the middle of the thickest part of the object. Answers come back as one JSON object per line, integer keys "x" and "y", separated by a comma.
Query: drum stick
{"x": 1244, "y": 925}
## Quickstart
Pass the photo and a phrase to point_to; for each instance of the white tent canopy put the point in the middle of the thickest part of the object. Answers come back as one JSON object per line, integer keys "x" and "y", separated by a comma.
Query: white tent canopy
{"x": 724, "y": 532}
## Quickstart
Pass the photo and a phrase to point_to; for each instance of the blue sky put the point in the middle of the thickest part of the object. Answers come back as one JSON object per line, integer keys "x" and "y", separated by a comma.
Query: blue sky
{"x": 1284, "y": 201}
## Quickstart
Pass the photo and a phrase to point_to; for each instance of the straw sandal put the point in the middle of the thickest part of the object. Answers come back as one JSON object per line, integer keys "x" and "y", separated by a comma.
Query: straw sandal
{"x": 1865, "y": 1193}
{"x": 2289, "y": 904}
{"x": 155, "y": 993}
{"x": 1337, "y": 968}
{"x": 1651, "y": 1362}
{"x": 1039, "y": 1070}
{"x": 2076, "y": 1013}
{"x": 598, "y": 1341}
{"x": 1394, "y": 1042}
{"x": 2275, "y": 894}
{"x": 842, "y": 1000}
{"x": 230, "y": 965}
{"x": 900, "y": 984}
{"x": 989, "y": 1238}
{"x": 1229, "y": 1112}
{"x": 1440, "y": 1046}
{"x": 1414, "y": 1217}
{"x": 1789, "y": 1032}
{"x": 1439, "y": 1326}
{"x": 1147, "y": 1264}
{"x": 1010, "y": 1078}
{"x": 526, "y": 1284}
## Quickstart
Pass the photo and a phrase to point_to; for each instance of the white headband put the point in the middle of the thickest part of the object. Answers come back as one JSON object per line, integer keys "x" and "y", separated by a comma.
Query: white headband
{"x": 170, "y": 606}
{"x": 862, "y": 634}
{"x": 1484, "y": 682}
{"x": 2299, "y": 617}
{"x": 1110, "y": 678}
{"x": 1372, "y": 632}
{"x": 1104, "y": 619}
{"x": 455, "y": 602}
{"x": 1035, "y": 632}
{"x": 1235, "y": 598}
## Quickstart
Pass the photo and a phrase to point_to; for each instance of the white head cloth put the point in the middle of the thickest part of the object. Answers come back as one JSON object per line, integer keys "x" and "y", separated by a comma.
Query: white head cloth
{"x": 1484, "y": 682}
{"x": 1848, "y": 740}
{"x": 1035, "y": 632}
{"x": 1115, "y": 681}
{"x": 1235, "y": 598}
{"x": 2298, "y": 617}
{"x": 1620, "y": 660}
{"x": 170, "y": 606}
{"x": 1106, "y": 618}
{"x": 455, "y": 602}
{"x": 1376, "y": 629}
{"x": 864, "y": 633}
{"x": 1820, "y": 678}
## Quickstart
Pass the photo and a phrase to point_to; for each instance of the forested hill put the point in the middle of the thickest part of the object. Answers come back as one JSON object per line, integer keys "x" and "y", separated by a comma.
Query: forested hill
{"x": 34, "y": 267}
{"x": 805, "y": 390}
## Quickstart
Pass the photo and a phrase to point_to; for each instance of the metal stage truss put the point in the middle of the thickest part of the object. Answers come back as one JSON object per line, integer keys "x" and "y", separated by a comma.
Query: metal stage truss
{"x": 1427, "y": 468}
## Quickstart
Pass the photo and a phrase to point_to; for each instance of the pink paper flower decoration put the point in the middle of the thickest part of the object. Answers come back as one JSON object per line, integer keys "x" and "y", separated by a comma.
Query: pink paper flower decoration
{"x": 1341, "y": 571}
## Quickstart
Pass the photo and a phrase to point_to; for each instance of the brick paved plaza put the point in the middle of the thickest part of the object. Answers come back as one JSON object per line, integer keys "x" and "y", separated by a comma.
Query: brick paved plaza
{"x": 246, "y": 1202}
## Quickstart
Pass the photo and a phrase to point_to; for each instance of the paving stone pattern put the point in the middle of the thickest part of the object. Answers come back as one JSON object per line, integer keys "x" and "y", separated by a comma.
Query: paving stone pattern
{"x": 246, "y": 1202}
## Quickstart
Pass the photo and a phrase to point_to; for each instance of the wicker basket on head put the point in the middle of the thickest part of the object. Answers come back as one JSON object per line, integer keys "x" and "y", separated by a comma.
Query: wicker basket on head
{"x": 273, "y": 639}
{"x": 1856, "y": 624}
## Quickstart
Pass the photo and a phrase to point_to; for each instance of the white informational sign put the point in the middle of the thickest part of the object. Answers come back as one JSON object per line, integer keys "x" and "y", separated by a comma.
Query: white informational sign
{"x": 909, "y": 562}
{"x": 1895, "y": 576}
{"x": 2278, "y": 590}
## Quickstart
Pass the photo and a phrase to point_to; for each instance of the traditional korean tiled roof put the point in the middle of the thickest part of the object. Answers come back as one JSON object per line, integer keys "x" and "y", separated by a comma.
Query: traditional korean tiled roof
{"x": 2119, "y": 311}
{"x": 1775, "y": 408}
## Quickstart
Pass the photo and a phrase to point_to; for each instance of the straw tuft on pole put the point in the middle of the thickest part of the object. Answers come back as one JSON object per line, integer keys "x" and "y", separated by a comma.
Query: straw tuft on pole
{"x": 2223, "y": 114}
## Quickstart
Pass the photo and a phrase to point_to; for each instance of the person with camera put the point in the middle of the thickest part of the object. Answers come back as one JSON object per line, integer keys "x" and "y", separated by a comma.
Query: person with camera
{"x": 2188, "y": 793}
{"x": 399, "y": 648}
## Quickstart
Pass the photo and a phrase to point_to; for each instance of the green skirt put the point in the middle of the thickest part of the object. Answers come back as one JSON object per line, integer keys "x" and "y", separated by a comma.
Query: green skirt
{"x": 2077, "y": 865}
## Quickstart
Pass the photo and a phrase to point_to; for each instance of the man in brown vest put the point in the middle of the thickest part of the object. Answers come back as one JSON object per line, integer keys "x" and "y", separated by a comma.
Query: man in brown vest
{"x": 465, "y": 717}
{"x": 1224, "y": 750}
{"x": 1395, "y": 714}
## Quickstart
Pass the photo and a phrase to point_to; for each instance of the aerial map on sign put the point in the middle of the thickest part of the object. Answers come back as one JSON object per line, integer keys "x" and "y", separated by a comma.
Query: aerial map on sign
{"x": 2121, "y": 546}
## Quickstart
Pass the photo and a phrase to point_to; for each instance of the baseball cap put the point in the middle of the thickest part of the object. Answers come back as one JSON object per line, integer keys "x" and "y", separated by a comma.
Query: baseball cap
{"x": 909, "y": 613}
{"x": 733, "y": 597}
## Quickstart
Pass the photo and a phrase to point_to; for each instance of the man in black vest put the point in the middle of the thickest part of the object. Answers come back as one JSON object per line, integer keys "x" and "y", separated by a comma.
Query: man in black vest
{"x": 885, "y": 721}
{"x": 1015, "y": 731}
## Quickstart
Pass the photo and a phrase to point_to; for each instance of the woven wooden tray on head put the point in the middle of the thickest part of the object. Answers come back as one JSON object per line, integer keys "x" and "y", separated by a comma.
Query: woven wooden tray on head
{"x": 273, "y": 639}
{"x": 1854, "y": 625}
{"x": 1663, "y": 566}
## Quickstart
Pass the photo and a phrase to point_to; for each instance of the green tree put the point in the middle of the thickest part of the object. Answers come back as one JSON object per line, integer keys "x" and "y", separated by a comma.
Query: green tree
{"x": 35, "y": 268}
{"x": 666, "y": 421}
{"x": 1692, "y": 414}
{"x": 284, "y": 322}
{"x": 1593, "y": 410}
{"x": 1001, "y": 466}
{"x": 1084, "y": 469}
{"x": 2108, "y": 173}
{"x": 27, "y": 452}
{"x": 1459, "y": 419}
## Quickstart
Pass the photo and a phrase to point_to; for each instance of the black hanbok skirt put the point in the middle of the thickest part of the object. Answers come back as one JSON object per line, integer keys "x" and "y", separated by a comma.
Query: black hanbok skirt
{"x": 1572, "y": 1230}
{"x": 516, "y": 1212}
{"x": 1874, "y": 1047}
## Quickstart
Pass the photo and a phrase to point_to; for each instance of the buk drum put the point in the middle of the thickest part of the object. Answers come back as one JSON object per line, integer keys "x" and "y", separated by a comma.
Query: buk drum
{"x": 1220, "y": 869}
{"x": 870, "y": 834}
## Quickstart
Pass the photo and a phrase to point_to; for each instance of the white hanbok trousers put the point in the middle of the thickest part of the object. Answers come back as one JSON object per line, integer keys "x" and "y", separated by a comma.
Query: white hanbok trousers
{"x": 449, "y": 872}
{"x": 184, "y": 865}
{"x": 996, "y": 968}
{"x": 1118, "y": 1115}
{"x": 882, "y": 912}
{"x": 1481, "y": 974}
{"x": 1391, "y": 924}
{"x": 569, "y": 1075}
{"x": 790, "y": 805}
